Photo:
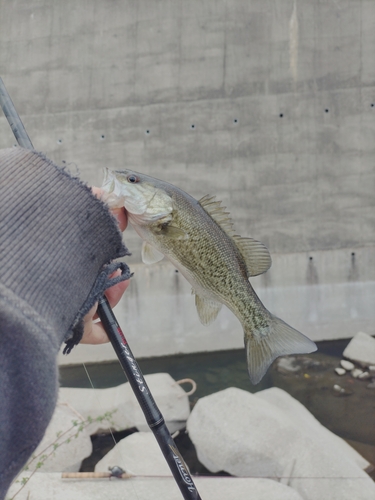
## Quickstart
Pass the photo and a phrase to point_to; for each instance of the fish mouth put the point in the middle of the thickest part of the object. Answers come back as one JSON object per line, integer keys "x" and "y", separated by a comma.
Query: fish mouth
{"x": 111, "y": 194}
{"x": 108, "y": 184}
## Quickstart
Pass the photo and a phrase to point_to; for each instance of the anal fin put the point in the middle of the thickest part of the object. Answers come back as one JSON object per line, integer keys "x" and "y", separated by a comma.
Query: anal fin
{"x": 207, "y": 309}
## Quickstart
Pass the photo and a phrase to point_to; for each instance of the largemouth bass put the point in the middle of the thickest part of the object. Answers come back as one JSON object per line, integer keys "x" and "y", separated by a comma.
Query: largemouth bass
{"x": 198, "y": 237}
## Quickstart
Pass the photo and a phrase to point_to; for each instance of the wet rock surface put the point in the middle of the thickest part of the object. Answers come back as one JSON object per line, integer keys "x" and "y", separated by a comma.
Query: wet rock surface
{"x": 340, "y": 371}
{"x": 122, "y": 408}
{"x": 347, "y": 365}
{"x": 361, "y": 349}
{"x": 270, "y": 434}
{"x": 138, "y": 454}
{"x": 288, "y": 365}
{"x": 349, "y": 416}
{"x": 343, "y": 404}
{"x": 65, "y": 444}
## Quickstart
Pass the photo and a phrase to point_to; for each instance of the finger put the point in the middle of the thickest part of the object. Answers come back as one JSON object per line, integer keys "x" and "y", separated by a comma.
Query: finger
{"x": 91, "y": 334}
{"x": 95, "y": 335}
{"x": 90, "y": 315}
{"x": 119, "y": 213}
{"x": 97, "y": 191}
{"x": 115, "y": 293}
{"x": 121, "y": 216}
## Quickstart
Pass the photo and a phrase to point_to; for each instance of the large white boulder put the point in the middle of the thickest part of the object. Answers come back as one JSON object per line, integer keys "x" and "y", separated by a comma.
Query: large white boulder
{"x": 137, "y": 454}
{"x": 65, "y": 444}
{"x": 361, "y": 349}
{"x": 226, "y": 488}
{"x": 228, "y": 429}
{"x": 51, "y": 486}
{"x": 253, "y": 435}
{"x": 171, "y": 399}
{"x": 117, "y": 407}
{"x": 106, "y": 408}
{"x": 306, "y": 423}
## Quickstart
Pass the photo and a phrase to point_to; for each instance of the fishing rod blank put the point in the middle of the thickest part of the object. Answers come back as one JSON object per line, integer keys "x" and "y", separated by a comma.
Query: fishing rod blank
{"x": 130, "y": 366}
{"x": 147, "y": 403}
{"x": 13, "y": 118}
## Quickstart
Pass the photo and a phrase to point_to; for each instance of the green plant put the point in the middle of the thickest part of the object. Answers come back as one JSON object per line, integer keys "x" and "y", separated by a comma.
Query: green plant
{"x": 36, "y": 462}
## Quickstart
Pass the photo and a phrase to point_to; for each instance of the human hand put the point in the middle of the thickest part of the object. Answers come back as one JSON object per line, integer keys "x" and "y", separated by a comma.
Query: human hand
{"x": 94, "y": 332}
{"x": 119, "y": 213}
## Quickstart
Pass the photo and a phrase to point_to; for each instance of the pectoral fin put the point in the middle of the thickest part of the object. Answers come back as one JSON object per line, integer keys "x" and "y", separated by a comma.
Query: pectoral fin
{"x": 173, "y": 232}
{"x": 149, "y": 254}
{"x": 207, "y": 309}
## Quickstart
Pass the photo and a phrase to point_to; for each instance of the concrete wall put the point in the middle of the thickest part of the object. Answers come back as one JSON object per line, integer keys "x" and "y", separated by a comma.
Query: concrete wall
{"x": 268, "y": 104}
{"x": 158, "y": 315}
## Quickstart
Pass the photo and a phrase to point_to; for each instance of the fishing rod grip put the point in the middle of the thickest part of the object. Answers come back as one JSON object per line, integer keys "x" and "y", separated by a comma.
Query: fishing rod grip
{"x": 13, "y": 118}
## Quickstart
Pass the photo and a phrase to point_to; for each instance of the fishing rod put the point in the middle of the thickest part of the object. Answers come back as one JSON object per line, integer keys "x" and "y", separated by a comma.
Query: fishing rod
{"x": 154, "y": 418}
{"x": 13, "y": 118}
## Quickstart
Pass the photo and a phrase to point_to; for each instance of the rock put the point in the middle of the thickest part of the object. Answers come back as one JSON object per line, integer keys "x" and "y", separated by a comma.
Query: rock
{"x": 138, "y": 454}
{"x": 307, "y": 423}
{"x": 371, "y": 385}
{"x": 288, "y": 365}
{"x": 340, "y": 391}
{"x": 231, "y": 488}
{"x": 371, "y": 368}
{"x": 338, "y": 388}
{"x": 248, "y": 435}
{"x": 222, "y": 426}
{"x": 67, "y": 457}
{"x": 51, "y": 486}
{"x": 325, "y": 442}
{"x": 347, "y": 365}
{"x": 340, "y": 371}
{"x": 311, "y": 364}
{"x": 123, "y": 408}
{"x": 361, "y": 349}
{"x": 364, "y": 376}
{"x": 171, "y": 399}
{"x": 106, "y": 407}
{"x": 356, "y": 373}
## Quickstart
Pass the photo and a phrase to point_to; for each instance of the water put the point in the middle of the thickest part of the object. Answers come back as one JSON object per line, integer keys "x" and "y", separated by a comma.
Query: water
{"x": 351, "y": 416}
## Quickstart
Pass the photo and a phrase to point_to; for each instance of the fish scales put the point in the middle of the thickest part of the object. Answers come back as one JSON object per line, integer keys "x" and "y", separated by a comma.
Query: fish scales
{"x": 212, "y": 260}
{"x": 199, "y": 239}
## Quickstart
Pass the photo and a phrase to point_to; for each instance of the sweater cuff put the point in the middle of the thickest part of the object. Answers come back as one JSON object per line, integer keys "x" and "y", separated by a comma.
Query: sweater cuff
{"x": 56, "y": 239}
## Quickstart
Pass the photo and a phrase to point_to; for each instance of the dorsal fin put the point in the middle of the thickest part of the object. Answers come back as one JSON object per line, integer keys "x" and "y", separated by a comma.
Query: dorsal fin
{"x": 218, "y": 213}
{"x": 256, "y": 256}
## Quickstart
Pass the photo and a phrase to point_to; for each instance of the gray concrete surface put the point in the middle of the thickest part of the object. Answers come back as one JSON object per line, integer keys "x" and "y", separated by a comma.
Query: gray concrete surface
{"x": 158, "y": 314}
{"x": 269, "y": 105}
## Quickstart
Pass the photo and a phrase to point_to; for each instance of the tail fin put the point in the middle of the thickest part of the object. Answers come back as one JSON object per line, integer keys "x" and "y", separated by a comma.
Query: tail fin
{"x": 279, "y": 340}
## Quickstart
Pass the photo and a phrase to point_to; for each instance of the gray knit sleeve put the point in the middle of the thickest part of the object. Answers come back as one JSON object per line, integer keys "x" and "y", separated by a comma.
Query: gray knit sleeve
{"x": 57, "y": 242}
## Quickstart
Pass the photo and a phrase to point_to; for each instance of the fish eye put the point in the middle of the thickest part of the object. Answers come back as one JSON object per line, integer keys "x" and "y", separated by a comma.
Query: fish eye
{"x": 133, "y": 178}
